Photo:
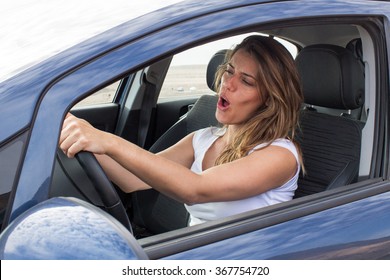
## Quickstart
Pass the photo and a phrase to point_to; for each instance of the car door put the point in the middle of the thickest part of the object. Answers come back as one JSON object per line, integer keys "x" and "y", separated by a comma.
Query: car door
{"x": 303, "y": 227}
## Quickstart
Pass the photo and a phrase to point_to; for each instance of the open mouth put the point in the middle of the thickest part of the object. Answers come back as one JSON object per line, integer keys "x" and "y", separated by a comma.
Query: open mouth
{"x": 223, "y": 104}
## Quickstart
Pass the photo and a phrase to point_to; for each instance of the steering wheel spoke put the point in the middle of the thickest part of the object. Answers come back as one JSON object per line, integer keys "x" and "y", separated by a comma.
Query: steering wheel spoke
{"x": 104, "y": 187}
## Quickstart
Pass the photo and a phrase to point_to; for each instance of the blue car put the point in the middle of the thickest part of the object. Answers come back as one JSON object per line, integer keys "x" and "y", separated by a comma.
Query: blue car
{"x": 150, "y": 81}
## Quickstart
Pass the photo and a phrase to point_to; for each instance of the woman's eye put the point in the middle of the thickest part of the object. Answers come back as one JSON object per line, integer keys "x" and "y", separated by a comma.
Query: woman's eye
{"x": 229, "y": 71}
{"x": 247, "y": 82}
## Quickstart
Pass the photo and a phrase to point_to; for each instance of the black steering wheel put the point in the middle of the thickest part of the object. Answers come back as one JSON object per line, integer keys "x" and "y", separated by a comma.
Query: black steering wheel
{"x": 104, "y": 188}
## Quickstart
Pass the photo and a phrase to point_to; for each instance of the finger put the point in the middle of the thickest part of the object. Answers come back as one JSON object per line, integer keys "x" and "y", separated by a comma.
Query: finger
{"x": 70, "y": 125}
{"x": 73, "y": 150}
{"x": 73, "y": 144}
{"x": 65, "y": 132}
{"x": 68, "y": 119}
{"x": 70, "y": 133}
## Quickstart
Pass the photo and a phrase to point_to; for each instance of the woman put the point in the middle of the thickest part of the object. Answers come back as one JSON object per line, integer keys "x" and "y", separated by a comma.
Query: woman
{"x": 249, "y": 163}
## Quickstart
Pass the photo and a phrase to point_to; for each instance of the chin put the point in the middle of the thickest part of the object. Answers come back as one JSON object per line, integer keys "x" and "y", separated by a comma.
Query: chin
{"x": 221, "y": 119}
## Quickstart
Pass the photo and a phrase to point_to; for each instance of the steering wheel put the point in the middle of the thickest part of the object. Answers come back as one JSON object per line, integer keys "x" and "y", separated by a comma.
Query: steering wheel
{"x": 104, "y": 188}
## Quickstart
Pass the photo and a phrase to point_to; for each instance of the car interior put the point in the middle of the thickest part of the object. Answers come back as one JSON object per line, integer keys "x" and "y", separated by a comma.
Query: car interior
{"x": 337, "y": 132}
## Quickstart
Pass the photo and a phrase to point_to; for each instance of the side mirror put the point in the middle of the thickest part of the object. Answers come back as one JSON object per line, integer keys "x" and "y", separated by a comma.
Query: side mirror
{"x": 68, "y": 228}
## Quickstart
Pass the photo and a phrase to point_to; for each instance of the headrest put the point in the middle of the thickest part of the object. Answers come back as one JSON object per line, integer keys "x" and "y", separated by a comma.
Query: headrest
{"x": 356, "y": 47}
{"x": 216, "y": 60}
{"x": 331, "y": 77}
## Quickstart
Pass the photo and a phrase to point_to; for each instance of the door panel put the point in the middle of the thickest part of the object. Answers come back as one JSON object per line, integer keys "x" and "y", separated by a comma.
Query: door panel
{"x": 356, "y": 230}
{"x": 103, "y": 116}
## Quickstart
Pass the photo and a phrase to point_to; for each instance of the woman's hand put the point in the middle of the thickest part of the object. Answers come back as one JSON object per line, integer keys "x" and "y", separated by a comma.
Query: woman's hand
{"x": 78, "y": 135}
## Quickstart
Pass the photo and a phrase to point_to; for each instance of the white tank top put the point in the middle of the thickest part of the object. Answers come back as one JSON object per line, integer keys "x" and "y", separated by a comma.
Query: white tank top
{"x": 203, "y": 212}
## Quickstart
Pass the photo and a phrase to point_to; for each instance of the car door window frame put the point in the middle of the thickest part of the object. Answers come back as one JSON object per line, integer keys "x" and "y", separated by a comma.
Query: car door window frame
{"x": 67, "y": 85}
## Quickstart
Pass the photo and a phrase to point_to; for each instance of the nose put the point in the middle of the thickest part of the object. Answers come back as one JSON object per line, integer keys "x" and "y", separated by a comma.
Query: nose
{"x": 229, "y": 81}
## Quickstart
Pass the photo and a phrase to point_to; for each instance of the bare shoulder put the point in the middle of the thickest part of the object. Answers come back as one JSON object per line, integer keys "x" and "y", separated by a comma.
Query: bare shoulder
{"x": 276, "y": 157}
{"x": 182, "y": 152}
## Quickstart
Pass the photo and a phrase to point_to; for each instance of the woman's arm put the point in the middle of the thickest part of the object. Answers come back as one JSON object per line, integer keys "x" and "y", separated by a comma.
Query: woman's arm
{"x": 181, "y": 153}
{"x": 124, "y": 179}
{"x": 256, "y": 173}
{"x": 128, "y": 182}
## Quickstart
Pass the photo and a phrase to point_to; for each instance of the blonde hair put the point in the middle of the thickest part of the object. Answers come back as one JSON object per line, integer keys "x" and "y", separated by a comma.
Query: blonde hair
{"x": 278, "y": 82}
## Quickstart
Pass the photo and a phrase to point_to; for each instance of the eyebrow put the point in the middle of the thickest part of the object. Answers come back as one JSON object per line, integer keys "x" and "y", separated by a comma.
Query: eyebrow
{"x": 243, "y": 73}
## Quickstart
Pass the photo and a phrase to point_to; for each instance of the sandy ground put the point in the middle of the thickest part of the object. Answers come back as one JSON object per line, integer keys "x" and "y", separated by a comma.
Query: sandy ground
{"x": 184, "y": 80}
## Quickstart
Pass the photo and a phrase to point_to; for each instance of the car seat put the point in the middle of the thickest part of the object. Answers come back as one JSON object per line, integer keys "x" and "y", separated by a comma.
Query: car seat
{"x": 332, "y": 78}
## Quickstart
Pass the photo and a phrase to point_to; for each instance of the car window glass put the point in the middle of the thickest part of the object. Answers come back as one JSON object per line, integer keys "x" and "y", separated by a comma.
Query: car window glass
{"x": 105, "y": 95}
{"x": 9, "y": 160}
{"x": 186, "y": 75}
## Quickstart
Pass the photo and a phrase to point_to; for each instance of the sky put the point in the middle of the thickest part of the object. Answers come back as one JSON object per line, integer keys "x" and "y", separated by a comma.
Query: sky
{"x": 32, "y": 30}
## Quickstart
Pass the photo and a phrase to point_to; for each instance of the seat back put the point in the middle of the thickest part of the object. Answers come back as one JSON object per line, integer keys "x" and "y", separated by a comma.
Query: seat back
{"x": 154, "y": 211}
{"x": 201, "y": 115}
{"x": 332, "y": 77}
